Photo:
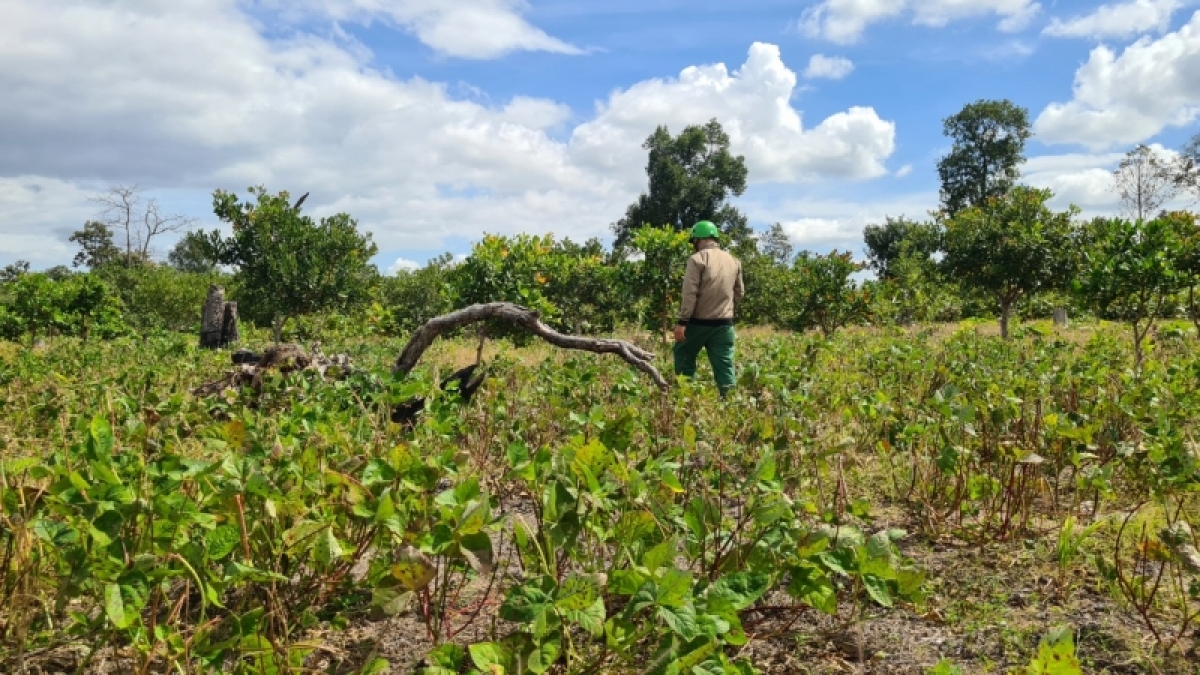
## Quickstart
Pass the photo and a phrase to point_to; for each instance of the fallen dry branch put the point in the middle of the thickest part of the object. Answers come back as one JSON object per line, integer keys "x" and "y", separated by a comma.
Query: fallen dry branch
{"x": 527, "y": 319}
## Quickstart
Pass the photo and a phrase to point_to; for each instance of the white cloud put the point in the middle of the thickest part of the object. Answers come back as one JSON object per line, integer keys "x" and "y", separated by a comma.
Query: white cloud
{"x": 821, "y": 221}
{"x": 403, "y": 265}
{"x": 1128, "y": 98}
{"x": 1121, "y": 19}
{"x": 828, "y": 67}
{"x": 904, "y": 171}
{"x": 39, "y": 214}
{"x": 202, "y": 100}
{"x": 843, "y": 21}
{"x": 473, "y": 29}
{"x": 753, "y": 105}
{"x": 1082, "y": 179}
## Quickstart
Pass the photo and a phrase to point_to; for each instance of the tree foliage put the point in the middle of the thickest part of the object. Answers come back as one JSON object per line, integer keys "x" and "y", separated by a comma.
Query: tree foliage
{"x": 989, "y": 144}
{"x": 96, "y": 246}
{"x": 825, "y": 294}
{"x": 898, "y": 238}
{"x": 692, "y": 176}
{"x": 288, "y": 265}
{"x": 197, "y": 252}
{"x": 1130, "y": 269}
{"x": 1145, "y": 181}
{"x": 658, "y": 275}
{"x": 1011, "y": 247}
{"x": 81, "y": 305}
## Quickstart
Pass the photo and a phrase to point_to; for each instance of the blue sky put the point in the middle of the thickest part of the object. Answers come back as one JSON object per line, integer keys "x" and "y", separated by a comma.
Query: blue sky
{"x": 433, "y": 121}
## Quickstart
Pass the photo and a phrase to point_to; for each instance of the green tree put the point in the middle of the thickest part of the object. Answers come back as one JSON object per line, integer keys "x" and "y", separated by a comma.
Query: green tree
{"x": 692, "y": 176}
{"x": 507, "y": 269}
{"x": 989, "y": 145}
{"x": 1011, "y": 247}
{"x": 776, "y": 245}
{"x": 196, "y": 252}
{"x": 658, "y": 275}
{"x": 898, "y": 238}
{"x": 1130, "y": 269}
{"x": 411, "y": 297}
{"x": 825, "y": 294}
{"x": 96, "y": 246}
{"x": 286, "y": 264}
{"x": 915, "y": 289}
{"x": 1187, "y": 167}
{"x": 13, "y": 271}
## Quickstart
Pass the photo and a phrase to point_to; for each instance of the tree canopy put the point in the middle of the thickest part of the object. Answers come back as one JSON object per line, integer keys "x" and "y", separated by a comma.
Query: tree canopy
{"x": 897, "y": 238}
{"x": 289, "y": 265}
{"x": 989, "y": 145}
{"x": 692, "y": 176}
{"x": 1010, "y": 248}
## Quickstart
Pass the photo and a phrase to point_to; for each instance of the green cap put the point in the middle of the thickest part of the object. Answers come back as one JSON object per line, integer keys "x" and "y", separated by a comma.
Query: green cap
{"x": 705, "y": 230}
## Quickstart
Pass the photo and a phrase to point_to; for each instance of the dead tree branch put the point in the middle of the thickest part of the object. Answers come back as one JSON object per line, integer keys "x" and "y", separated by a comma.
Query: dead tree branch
{"x": 527, "y": 319}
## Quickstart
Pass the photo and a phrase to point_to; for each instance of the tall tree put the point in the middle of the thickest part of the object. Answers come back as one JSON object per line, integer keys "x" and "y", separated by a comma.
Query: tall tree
{"x": 96, "y": 246}
{"x": 1145, "y": 181}
{"x": 287, "y": 264}
{"x": 135, "y": 221}
{"x": 776, "y": 245}
{"x": 692, "y": 176}
{"x": 897, "y": 238}
{"x": 196, "y": 252}
{"x": 1010, "y": 248}
{"x": 1130, "y": 269}
{"x": 1187, "y": 168}
{"x": 989, "y": 145}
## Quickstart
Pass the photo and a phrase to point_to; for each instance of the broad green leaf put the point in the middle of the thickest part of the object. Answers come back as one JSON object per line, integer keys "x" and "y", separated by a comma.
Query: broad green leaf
{"x": 114, "y": 607}
{"x": 878, "y": 589}
{"x": 524, "y": 603}
{"x": 413, "y": 569}
{"x": 1056, "y": 655}
{"x": 810, "y": 585}
{"x": 674, "y": 588}
{"x": 545, "y": 654}
{"x": 328, "y": 549}
{"x": 741, "y": 589}
{"x": 102, "y": 435}
{"x": 301, "y": 536}
{"x": 492, "y": 658}
{"x": 659, "y": 556}
{"x": 390, "y": 601}
{"x": 682, "y": 620}
{"x": 222, "y": 541}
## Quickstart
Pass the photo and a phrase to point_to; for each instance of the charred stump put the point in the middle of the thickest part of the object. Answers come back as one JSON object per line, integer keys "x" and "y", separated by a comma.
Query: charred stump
{"x": 218, "y": 320}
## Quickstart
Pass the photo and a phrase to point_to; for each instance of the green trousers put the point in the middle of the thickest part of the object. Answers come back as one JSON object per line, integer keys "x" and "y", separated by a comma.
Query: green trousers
{"x": 718, "y": 342}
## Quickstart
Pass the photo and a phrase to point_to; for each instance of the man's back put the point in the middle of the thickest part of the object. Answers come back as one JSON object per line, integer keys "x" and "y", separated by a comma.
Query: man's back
{"x": 712, "y": 286}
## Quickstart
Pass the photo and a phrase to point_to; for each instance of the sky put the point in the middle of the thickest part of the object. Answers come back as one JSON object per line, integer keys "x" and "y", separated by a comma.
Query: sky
{"x": 432, "y": 122}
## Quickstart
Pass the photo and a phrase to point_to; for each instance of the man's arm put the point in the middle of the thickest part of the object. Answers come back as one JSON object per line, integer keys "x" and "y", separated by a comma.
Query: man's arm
{"x": 739, "y": 290}
{"x": 691, "y": 291}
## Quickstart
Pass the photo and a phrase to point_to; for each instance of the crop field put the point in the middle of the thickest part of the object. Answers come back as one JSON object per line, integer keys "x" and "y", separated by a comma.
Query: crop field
{"x": 909, "y": 500}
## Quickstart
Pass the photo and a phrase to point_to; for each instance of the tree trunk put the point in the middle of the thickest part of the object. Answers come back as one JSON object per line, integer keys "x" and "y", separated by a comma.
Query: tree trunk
{"x": 1193, "y": 309}
{"x": 1005, "y": 312}
{"x": 229, "y": 324}
{"x": 1138, "y": 336}
{"x": 212, "y": 319}
{"x": 1060, "y": 317}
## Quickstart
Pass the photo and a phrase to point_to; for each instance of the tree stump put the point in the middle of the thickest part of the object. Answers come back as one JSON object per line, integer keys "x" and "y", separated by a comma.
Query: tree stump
{"x": 1060, "y": 317}
{"x": 218, "y": 320}
{"x": 229, "y": 324}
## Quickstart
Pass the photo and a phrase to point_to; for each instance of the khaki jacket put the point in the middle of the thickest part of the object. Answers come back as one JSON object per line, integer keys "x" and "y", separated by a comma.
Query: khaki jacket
{"x": 712, "y": 288}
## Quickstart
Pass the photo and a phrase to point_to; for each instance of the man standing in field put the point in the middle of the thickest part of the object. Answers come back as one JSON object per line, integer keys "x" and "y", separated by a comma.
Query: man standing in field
{"x": 712, "y": 290}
